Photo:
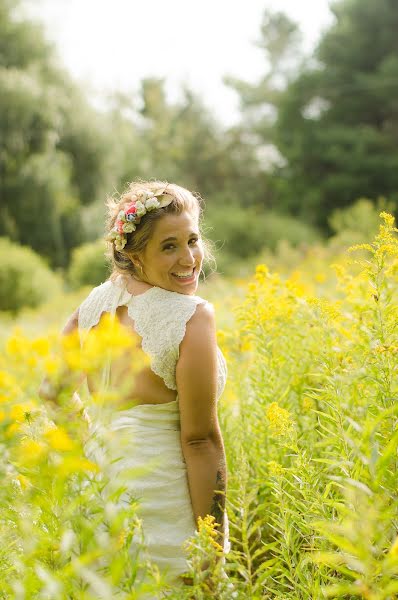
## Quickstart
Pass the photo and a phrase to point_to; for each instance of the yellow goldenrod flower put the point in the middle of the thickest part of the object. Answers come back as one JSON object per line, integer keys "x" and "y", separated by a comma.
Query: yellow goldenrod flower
{"x": 275, "y": 468}
{"x": 7, "y": 381}
{"x": 261, "y": 273}
{"x": 391, "y": 249}
{"x": 58, "y": 439}
{"x": 262, "y": 269}
{"x": 30, "y": 451}
{"x": 73, "y": 464}
{"x": 13, "y": 429}
{"x": 207, "y": 527}
{"x": 52, "y": 365}
{"x": 279, "y": 419}
{"x": 326, "y": 308}
{"x": 41, "y": 346}
{"x": 361, "y": 247}
{"x": 387, "y": 218}
{"x": 16, "y": 346}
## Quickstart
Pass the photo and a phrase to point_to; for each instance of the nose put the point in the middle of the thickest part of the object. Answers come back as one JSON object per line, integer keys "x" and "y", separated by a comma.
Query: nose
{"x": 187, "y": 258}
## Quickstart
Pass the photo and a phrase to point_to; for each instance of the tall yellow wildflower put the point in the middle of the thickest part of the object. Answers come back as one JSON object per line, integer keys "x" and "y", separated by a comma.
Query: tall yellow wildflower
{"x": 279, "y": 419}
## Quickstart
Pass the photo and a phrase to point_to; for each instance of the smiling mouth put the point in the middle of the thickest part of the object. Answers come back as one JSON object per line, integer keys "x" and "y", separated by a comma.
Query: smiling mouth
{"x": 187, "y": 277}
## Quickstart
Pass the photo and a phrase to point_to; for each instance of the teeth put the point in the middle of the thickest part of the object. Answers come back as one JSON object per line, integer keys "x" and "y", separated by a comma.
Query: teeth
{"x": 184, "y": 274}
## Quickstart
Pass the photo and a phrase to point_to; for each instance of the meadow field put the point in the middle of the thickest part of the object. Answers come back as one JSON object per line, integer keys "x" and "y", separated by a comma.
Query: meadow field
{"x": 309, "y": 419}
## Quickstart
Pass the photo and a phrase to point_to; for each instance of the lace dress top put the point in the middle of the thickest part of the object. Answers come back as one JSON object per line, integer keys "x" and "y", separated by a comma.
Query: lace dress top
{"x": 160, "y": 317}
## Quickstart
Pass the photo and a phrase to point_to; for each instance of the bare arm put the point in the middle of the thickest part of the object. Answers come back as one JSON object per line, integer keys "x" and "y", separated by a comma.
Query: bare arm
{"x": 201, "y": 438}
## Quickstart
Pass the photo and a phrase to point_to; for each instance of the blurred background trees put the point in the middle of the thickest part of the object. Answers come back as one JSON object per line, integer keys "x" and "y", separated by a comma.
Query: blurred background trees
{"x": 332, "y": 117}
{"x": 317, "y": 133}
{"x": 53, "y": 151}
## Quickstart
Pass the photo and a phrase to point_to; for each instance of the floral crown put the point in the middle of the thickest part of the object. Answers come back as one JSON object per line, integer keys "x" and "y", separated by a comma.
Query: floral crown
{"x": 130, "y": 216}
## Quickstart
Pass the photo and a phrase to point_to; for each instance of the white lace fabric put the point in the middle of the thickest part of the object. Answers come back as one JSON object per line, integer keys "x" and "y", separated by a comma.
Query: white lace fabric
{"x": 160, "y": 318}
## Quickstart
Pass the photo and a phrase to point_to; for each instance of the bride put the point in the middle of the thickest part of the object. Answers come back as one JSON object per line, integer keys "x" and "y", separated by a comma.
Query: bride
{"x": 170, "y": 408}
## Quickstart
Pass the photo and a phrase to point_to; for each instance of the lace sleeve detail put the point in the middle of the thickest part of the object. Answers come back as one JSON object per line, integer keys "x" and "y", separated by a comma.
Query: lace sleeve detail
{"x": 103, "y": 298}
{"x": 160, "y": 319}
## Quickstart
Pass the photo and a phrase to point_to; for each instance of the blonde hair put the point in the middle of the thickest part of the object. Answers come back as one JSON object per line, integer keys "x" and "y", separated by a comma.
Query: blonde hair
{"x": 183, "y": 200}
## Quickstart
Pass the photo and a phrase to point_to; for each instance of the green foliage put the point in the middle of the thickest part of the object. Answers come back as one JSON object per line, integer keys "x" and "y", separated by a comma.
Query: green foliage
{"x": 314, "y": 456}
{"x": 334, "y": 120}
{"x": 356, "y": 223}
{"x": 53, "y": 150}
{"x": 242, "y": 232}
{"x": 88, "y": 265}
{"x": 183, "y": 142}
{"x": 25, "y": 279}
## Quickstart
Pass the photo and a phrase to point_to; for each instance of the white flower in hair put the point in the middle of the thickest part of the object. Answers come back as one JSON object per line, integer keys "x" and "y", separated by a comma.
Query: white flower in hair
{"x": 152, "y": 203}
{"x": 141, "y": 210}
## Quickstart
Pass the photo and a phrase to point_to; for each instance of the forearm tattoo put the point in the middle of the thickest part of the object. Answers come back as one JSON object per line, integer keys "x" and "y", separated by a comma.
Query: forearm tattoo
{"x": 218, "y": 505}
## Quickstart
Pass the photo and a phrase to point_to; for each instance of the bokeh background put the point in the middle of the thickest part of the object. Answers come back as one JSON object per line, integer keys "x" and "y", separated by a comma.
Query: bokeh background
{"x": 283, "y": 116}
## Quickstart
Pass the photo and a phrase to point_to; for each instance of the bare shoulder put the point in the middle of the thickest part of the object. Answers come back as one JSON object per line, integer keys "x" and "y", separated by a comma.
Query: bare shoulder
{"x": 203, "y": 320}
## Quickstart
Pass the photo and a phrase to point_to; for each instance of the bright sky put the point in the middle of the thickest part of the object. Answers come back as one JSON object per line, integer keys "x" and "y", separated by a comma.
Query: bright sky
{"x": 113, "y": 44}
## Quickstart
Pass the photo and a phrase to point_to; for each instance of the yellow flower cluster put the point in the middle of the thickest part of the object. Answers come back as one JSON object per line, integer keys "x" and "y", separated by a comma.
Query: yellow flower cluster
{"x": 327, "y": 309}
{"x": 207, "y": 526}
{"x": 106, "y": 341}
{"x": 58, "y": 439}
{"x": 279, "y": 419}
{"x": 385, "y": 242}
{"x": 275, "y": 468}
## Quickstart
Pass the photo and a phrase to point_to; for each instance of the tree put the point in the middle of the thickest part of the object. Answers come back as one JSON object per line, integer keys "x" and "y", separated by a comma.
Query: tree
{"x": 336, "y": 122}
{"x": 182, "y": 142}
{"x": 52, "y": 150}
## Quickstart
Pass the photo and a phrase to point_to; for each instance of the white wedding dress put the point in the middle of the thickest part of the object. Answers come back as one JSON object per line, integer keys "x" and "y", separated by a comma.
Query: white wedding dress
{"x": 148, "y": 435}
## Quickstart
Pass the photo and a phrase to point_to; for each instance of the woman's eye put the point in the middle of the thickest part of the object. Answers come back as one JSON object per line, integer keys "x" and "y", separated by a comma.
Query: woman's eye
{"x": 194, "y": 240}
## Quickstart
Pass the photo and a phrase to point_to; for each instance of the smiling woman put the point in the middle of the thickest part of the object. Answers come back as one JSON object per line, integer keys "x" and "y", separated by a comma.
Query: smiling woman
{"x": 154, "y": 230}
{"x": 169, "y": 410}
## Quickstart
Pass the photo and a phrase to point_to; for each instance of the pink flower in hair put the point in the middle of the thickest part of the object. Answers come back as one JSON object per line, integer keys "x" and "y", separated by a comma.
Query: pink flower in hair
{"x": 131, "y": 208}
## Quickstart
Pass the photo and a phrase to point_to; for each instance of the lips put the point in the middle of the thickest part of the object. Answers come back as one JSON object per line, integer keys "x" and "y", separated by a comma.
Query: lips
{"x": 189, "y": 279}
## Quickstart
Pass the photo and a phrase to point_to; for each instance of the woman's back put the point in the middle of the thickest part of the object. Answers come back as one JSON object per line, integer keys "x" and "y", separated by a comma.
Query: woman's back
{"x": 158, "y": 317}
{"x": 148, "y": 434}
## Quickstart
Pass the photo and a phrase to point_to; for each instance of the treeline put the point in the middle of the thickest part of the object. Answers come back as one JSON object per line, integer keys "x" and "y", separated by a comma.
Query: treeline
{"x": 316, "y": 134}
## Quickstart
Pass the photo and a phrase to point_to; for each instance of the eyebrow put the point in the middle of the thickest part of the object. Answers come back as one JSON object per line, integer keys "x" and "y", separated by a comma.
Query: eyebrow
{"x": 173, "y": 239}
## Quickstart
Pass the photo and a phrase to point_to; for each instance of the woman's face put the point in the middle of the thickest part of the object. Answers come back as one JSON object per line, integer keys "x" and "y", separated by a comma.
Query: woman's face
{"x": 173, "y": 256}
